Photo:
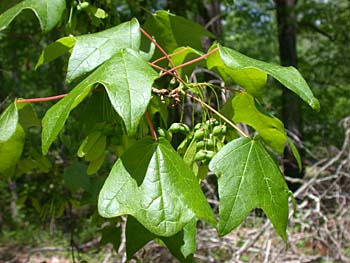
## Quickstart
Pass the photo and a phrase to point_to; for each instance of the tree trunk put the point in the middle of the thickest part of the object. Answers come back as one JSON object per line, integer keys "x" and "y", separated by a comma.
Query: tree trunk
{"x": 287, "y": 35}
{"x": 13, "y": 201}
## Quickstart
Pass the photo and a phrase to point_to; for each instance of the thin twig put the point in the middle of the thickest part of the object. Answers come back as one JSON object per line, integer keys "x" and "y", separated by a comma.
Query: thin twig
{"x": 170, "y": 55}
{"x": 150, "y": 124}
{"x": 191, "y": 61}
{"x": 218, "y": 114}
{"x": 57, "y": 97}
{"x": 162, "y": 69}
{"x": 161, "y": 50}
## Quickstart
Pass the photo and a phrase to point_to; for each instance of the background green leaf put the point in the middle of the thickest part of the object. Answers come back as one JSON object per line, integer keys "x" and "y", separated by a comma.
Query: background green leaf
{"x": 92, "y": 50}
{"x": 75, "y": 177}
{"x": 249, "y": 178}
{"x": 169, "y": 196}
{"x": 172, "y": 31}
{"x": 8, "y": 122}
{"x": 48, "y": 12}
{"x": 295, "y": 153}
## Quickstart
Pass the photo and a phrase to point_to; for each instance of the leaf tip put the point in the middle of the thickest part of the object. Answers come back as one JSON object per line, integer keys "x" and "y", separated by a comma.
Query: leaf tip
{"x": 44, "y": 148}
{"x": 315, "y": 104}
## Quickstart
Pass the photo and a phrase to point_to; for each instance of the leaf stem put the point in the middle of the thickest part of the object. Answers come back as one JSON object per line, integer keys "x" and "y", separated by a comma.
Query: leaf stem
{"x": 150, "y": 124}
{"x": 218, "y": 113}
{"x": 190, "y": 62}
{"x": 57, "y": 97}
{"x": 170, "y": 55}
{"x": 162, "y": 69}
{"x": 161, "y": 50}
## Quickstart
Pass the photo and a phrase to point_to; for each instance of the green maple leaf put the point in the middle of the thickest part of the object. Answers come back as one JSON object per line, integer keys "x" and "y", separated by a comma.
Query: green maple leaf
{"x": 269, "y": 127}
{"x": 128, "y": 81}
{"x": 288, "y": 76}
{"x": 249, "y": 178}
{"x": 152, "y": 183}
{"x": 8, "y": 122}
{"x": 48, "y": 12}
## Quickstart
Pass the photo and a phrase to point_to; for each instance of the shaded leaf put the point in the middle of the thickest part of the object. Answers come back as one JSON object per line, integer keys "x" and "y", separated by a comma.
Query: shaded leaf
{"x": 111, "y": 234}
{"x": 96, "y": 14}
{"x": 8, "y": 122}
{"x": 88, "y": 143}
{"x": 48, "y": 12}
{"x": 92, "y": 50}
{"x": 55, "y": 50}
{"x": 95, "y": 165}
{"x": 90, "y": 196}
{"x": 169, "y": 196}
{"x": 75, "y": 177}
{"x": 288, "y": 76}
{"x": 42, "y": 163}
{"x": 182, "y": 245}
{"x": 249, "y": 178}
{"x": 97, "y": 150}
{"x": 270, "y": 128}
{"x": 173, "y": 31}
{"x": 28, "y": 117}
{"x": 11, "y": 149}
{"x": 136, "y": 237}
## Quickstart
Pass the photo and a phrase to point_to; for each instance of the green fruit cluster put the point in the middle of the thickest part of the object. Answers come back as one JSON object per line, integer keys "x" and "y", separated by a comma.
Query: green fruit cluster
{"x": 179, "y": 128}
{"x": 207, "y": 135}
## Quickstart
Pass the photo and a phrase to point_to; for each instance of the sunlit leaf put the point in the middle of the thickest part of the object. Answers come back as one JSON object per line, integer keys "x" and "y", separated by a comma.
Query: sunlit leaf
{"x": 168, "y": 197}
{"x": 249, "y": 178}
{"x": 128, "y": 80}
{"x": 288, "y": 76}
{"x": 8, "y": 122}
{"x": 48, "y": 12}
{"x": 251, "y": 79}
{"x": 270, "y": 128}
{"x": 92, "y": 50}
